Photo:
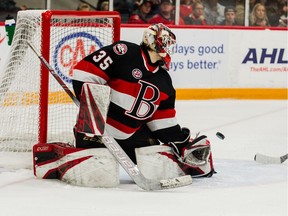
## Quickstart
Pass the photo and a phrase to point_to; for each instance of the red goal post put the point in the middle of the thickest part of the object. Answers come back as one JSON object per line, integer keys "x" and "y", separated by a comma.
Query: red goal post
{"x": 33, "y": 106}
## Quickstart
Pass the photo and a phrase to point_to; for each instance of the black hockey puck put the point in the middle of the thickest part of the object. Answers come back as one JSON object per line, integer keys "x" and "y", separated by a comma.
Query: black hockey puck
{"x": 220, "y": 135}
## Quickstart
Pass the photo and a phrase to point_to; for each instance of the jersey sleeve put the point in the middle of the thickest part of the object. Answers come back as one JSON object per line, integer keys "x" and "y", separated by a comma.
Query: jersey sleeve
{"x": 97, "y": 67}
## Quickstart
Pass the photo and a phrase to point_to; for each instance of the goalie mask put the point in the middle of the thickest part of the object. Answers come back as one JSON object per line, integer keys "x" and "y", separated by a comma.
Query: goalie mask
{"x": 160, "y": 39}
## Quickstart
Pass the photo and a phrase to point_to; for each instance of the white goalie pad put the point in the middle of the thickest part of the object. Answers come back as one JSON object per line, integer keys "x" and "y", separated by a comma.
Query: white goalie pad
{"x": 157, "y": 162}
{"x": 82, "y": 167}
{"x": 99, "y": 170}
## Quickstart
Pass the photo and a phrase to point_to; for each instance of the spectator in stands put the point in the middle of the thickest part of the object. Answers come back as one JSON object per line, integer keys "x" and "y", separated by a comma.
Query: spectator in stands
{"x": 197, "y": 17}
{"x": 166, "y": 14}
{"x": 104, "y": 6}
{"x": 252, "y": 3}
{"x": 283, "y": 20}
{"x": 83, "y": 7}
{"x": 229, "y": 14}
{"x": 155, "y": 8}
{"x": 186, "y": 8}
{"x": 142, "y": 13}
{"x": 8, "y": 7}
{"x": 240, "y": 13}
{"x": 258, "y": 16}
{"x": 274, "y": 11}
{"x": 214, "y": 12}
{"x": 24, "y": 7}
{"x": 98, "y": 6}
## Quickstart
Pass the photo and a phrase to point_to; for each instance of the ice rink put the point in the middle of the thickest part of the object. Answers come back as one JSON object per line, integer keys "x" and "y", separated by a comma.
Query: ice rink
{"x": 241, "y": 186}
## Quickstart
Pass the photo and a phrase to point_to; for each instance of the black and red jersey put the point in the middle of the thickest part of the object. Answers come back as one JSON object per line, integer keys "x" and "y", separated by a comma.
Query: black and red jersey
{"x": 141, "y": 91}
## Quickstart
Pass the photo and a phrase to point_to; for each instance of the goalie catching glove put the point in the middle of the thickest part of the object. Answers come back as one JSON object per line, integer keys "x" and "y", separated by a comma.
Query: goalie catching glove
{"x": 194, "y": 155}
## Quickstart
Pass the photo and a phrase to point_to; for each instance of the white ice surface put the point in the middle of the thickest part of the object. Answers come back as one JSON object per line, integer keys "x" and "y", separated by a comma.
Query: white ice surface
{"x": 241, "y": 186}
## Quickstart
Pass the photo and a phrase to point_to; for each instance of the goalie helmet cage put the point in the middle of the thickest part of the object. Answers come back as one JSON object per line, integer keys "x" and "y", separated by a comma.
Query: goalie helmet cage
{"x": 33, "y": 106}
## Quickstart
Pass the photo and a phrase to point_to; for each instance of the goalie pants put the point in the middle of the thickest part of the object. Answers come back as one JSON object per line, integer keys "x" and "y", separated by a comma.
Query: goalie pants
{"x": 143, "y": 137}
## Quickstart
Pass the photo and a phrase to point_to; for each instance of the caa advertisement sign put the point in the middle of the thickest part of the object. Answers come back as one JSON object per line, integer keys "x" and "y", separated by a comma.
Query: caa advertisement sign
{"x": 220, "y": 58}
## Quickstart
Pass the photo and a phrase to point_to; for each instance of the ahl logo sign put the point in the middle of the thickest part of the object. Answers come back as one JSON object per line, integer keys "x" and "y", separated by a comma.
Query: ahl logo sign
{"x": 273, "y": 56}
{"x": 267, "y": 60}
{"x": 70, "y": 50}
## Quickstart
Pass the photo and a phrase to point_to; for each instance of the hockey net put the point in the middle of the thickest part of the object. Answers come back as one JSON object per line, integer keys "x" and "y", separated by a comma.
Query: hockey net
{"x": 33, "y": 106}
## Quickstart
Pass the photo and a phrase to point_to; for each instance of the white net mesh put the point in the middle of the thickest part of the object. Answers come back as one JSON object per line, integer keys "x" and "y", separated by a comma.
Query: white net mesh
{"x": 72, "y": 36}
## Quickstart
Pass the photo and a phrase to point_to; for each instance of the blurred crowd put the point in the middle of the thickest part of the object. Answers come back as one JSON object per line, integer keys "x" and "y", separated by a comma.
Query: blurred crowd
{"x": 191, "y": 12}
{"x": 211, "y": 12}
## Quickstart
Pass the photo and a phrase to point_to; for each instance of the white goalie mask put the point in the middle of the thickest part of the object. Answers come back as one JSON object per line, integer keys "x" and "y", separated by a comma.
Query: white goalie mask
{"x": 160, "y": 39}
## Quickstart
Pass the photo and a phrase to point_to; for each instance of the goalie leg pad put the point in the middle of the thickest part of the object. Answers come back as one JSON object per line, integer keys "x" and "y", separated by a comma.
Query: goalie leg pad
{"x": 158, "y": 162}
{"x": 90, "y": 168}
{"x": 81, "y": 167}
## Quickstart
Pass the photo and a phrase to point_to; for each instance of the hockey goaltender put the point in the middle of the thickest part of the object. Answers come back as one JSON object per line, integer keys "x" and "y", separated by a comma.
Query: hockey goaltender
{"x": 141, "y": 117}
